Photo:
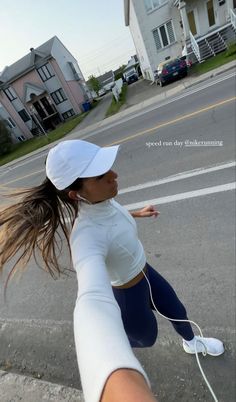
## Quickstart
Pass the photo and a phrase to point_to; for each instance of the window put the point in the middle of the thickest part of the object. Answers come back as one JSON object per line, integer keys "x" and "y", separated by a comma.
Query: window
{"x": 58, "y": 96}
{"x": 10, "y": 94}
{"x": 68, "y": 114}
{"x": 24, "y": 115}
{"x": 21, "y": 138}
{"x": 10, "y": 123}
{"x": 45, "y": 72}
{"x": 153, "y": 4}
{"x": 39, "y": 109}
{"x": 49, "y": 109}
{"x": 164, "y": 35}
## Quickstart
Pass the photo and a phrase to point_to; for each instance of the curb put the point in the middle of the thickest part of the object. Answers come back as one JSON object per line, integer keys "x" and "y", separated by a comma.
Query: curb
{"x": 130, "y": 110}
{"x": 16, "y": 387}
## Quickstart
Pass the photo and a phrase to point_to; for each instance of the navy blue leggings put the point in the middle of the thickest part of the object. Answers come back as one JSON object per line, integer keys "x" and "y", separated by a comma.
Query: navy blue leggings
{"x": 136, "y": 309}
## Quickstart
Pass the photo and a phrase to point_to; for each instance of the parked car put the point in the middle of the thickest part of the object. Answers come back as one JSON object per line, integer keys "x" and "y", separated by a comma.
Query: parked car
{"x": 171, "y": 70}
{"x": 131, "y": 76}
{"x": 101, "y": 92}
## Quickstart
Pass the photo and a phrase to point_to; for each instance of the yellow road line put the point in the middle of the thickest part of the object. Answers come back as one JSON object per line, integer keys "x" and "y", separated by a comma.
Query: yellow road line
{"x": 149, "y": 130}
{"x": 186, "y": 116}
{"x": 24, "y": 177}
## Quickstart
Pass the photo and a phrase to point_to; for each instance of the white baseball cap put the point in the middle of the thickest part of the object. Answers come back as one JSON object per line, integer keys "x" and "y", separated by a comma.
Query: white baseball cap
{"x": 73, "y": 159}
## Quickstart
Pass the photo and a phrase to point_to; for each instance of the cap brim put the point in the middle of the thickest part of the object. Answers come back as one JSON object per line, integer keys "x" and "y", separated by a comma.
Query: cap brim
{"x": 102, "y": 162}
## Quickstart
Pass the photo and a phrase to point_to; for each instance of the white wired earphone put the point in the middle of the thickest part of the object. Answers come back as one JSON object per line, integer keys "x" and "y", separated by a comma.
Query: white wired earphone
{"x": 197, "y": 340}
{"x": 204, "y": 353}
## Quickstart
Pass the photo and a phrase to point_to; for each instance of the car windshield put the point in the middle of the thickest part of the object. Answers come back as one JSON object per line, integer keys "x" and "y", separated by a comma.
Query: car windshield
{"x": 173, "y": 63}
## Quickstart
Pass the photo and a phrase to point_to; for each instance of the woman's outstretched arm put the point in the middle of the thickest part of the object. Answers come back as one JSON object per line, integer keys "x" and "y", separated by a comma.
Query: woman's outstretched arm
{"x": 108, "y": 368}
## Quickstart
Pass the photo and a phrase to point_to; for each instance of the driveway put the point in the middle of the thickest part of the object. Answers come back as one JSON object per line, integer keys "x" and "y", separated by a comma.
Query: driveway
{"x": 97, "y": 114}
{"x": 142, "y": 90}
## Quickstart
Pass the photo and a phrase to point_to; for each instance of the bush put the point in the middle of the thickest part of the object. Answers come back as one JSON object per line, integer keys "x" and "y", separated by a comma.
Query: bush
{"x": 5, "y": 139}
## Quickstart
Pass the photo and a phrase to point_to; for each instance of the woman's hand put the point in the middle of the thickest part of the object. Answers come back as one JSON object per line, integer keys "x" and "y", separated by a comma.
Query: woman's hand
{"x": 145, "y": 212}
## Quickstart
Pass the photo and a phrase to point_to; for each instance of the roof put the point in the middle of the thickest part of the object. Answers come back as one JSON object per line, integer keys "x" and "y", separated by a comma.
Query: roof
{"x": 132, "y": 62}
{"x": 106, "y": 78}
{"x": 27, "y": 62}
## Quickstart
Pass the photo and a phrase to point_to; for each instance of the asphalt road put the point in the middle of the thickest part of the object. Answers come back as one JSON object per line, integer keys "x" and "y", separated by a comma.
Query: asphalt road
{"x": 191, "y": 243}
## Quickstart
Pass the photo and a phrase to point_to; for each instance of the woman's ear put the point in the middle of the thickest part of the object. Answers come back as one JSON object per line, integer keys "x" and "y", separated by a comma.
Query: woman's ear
{"x": 73, "y": 195}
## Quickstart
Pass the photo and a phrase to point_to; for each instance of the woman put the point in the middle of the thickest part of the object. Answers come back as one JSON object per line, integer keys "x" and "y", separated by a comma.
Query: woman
{"x": 105, "y": 249}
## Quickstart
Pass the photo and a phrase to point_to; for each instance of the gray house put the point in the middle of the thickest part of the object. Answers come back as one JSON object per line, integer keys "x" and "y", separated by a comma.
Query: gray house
{"x": 163, "y": 29}
{"x": 41, "y": 90}
{"x": 107, "y": 80}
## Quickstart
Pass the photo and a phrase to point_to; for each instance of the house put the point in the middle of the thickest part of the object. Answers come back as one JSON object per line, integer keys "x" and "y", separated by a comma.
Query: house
{"x": 164, "y": 29}
{"x": 107, "y": 80}
{"x": 41, "y": 90}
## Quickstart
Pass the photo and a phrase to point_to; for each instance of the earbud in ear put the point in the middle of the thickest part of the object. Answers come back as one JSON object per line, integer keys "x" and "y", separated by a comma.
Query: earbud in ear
{"x": 79, "y": 197}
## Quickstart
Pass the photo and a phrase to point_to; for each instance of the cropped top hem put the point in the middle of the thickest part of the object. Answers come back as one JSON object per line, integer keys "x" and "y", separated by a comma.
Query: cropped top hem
{"x": 133, "y": 273}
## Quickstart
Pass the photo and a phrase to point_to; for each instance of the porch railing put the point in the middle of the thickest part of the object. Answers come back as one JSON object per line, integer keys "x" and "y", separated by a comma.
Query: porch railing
{"x": 195, "y": 46}
{"x": 233, "y": 18}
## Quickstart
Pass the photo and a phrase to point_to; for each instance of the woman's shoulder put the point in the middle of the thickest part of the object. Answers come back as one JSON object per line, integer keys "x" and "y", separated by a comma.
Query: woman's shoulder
{"x": 86, "y": 229}
{"x": 88, "y": 240}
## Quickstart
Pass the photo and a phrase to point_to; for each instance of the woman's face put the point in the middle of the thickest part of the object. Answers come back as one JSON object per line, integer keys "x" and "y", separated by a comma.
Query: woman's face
{"x": 100, "y": 188}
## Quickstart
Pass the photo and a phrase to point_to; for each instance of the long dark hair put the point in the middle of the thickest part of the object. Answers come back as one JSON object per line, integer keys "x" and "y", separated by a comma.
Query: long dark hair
{"x": 35, "y": 224}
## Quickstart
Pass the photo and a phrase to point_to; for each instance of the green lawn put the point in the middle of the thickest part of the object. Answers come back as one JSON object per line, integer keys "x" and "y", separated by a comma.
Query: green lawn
{"x": 216, "y": 61}
{"x": 115, "y": 106}
{"x": 31, "y": 145}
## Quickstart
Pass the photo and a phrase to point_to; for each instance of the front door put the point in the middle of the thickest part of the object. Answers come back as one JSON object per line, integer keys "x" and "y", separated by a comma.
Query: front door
{"x": 192, "y": 23}
{"x": 211, "y": 13}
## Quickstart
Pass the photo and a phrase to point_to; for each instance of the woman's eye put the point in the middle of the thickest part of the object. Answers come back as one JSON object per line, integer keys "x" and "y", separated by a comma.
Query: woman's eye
{"x": 100, "y": 177}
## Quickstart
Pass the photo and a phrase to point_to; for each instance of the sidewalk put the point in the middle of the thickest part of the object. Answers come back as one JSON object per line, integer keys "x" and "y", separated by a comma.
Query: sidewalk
{"x": 14, "y": 388}
{"x": 83, "y": 133}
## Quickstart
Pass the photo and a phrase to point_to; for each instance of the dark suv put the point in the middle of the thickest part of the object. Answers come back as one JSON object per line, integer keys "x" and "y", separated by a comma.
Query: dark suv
{"x": 171, "y": 70}
{"x": 132, "y": 76}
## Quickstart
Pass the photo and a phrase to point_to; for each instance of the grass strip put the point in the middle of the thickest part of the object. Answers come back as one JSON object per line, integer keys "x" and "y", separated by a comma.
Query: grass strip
{"x": 115, "y": 106}
{"x": 216, "y": 61}
{"x": 24, "y": 148}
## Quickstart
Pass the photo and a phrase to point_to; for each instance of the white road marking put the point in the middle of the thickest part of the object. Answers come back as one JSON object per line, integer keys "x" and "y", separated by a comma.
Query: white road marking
{"x": 179, "y": 176}
{"x": 182, "y": 196}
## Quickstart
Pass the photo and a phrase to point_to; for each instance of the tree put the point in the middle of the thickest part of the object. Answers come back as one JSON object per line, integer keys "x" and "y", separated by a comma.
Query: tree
{"x": 119, "y": 72}
{"x": 5, "y": 139}
{"x": 93, "y": 83}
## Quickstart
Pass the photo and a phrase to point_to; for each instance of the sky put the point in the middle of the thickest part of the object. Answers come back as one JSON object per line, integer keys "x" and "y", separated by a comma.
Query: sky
{"x": 93, "y": 31}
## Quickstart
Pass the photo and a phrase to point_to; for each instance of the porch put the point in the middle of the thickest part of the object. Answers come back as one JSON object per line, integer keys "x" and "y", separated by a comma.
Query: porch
{"x": 208, "y": 28}
{"x": 216, "y": 41}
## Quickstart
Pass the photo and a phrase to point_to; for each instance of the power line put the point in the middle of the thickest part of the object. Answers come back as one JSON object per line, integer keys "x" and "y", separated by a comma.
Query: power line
{"x": 85, "y": 55}
{"x": 111, "y": 61}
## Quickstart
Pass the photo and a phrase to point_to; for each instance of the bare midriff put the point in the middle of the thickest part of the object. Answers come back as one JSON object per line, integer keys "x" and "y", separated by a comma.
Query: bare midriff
{"x": 133, "y": 281}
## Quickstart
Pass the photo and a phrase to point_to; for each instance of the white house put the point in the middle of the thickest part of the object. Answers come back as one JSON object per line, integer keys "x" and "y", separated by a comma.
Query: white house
{"x": 163, "y": 29}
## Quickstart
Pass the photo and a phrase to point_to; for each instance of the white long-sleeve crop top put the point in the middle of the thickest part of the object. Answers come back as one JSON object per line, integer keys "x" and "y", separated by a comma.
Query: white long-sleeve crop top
{"x": 105, "y": 248}
{"x": 108, "y": 229}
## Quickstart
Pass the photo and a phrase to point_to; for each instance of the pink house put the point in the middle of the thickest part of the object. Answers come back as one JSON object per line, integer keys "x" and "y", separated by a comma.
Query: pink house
{"x": 41, "y": 90}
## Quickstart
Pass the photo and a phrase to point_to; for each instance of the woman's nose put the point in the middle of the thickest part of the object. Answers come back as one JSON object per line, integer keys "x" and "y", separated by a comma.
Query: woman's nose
{"x": 113, "y": 174}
